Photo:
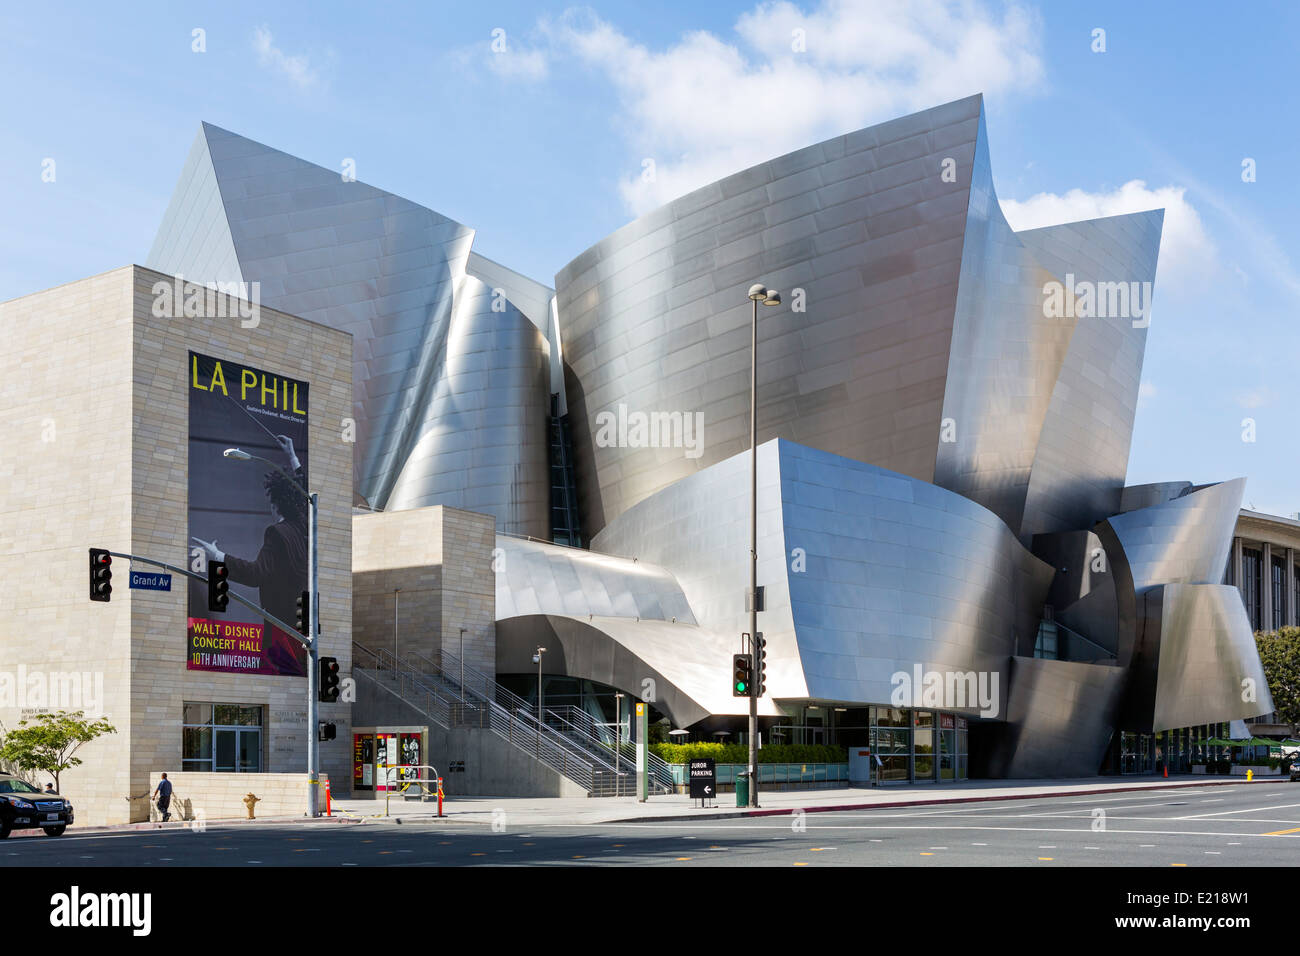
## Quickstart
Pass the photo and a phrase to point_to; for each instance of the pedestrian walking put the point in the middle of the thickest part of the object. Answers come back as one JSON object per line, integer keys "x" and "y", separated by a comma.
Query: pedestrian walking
{"x": 164, "y": 795}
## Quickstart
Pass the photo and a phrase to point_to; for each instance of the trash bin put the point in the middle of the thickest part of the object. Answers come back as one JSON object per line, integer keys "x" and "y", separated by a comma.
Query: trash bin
{"x": 742, "y": 788}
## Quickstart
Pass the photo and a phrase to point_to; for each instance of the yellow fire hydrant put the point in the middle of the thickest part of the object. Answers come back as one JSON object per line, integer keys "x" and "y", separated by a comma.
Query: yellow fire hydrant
{"x": 1250, "y": 775}
{"x": 250, "y": 801}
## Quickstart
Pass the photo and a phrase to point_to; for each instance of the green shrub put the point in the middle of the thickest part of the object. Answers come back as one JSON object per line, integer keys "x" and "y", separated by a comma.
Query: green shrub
{"x": 739, "y": 753}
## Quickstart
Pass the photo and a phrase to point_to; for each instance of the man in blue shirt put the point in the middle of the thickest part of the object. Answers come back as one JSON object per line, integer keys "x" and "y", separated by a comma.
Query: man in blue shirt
{"x": 164, "y": 795}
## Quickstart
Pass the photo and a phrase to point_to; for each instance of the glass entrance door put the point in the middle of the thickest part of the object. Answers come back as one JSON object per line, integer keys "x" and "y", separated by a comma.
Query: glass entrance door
{"x": 238, "y": 749}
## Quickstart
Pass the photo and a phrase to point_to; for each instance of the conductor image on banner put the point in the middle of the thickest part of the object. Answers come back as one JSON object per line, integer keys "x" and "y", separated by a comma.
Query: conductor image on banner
{"x": 280, "y": 566}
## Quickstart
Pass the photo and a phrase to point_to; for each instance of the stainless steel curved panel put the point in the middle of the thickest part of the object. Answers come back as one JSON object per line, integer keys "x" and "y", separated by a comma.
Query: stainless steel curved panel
{"x": 867, "y": 572}
{"x": 1182, "y": 541}
{"x": 1209, "y": 668}
{"x": 1083, "y": 451}
{"x": 685, "y": 669}
{"x": 1004, "y": 361}
{"x": 534, "y": 577}
{"x": 655, "y": 316}
{"x": 393, "y": 274}
{"x": 1061, "y": 718}
{"x": 480, "y": 440}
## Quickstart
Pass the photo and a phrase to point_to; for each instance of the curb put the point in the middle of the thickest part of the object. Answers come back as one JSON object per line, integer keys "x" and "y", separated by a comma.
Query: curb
{"x": 739, "y": 813}
{"x": 75, "y": 830}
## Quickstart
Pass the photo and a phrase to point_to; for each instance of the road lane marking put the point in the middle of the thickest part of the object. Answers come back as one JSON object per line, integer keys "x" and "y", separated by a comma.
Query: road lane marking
{"x": 1283, "y": 832}
{"x": 1228, "y": 813}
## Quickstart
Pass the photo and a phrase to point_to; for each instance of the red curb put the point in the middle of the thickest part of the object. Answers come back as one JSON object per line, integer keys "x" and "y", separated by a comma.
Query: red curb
{"x": 840, "y": 808}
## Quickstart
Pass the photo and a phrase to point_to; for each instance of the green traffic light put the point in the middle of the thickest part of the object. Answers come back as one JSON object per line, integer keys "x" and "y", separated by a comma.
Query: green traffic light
{"x": 741, "y": 687}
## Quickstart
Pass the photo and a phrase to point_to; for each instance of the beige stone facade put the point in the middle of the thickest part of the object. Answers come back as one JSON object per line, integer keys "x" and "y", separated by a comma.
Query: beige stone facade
{"x": 94, "y": 407}
{"x": 420, "y": 576}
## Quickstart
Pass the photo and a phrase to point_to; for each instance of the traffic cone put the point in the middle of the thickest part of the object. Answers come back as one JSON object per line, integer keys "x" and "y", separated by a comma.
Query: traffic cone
{"x": 1166, "y": 771}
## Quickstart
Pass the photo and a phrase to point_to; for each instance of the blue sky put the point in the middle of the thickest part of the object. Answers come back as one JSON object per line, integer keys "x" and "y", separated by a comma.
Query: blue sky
{"x": 541, "y": 146}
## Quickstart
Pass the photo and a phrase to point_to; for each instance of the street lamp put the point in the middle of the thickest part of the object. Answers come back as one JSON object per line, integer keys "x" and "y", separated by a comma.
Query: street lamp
{"x": 313, "y": 626}
{"x": 757, "y": 293}
{"x": 618, "y": 733}
{"x": 462, "y": 661}
{"x": 537, "y": 659}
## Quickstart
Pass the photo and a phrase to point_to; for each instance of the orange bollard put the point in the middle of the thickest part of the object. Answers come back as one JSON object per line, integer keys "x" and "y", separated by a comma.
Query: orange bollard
{"x": 440, "y": 796}
{"x": 327, "y": 799}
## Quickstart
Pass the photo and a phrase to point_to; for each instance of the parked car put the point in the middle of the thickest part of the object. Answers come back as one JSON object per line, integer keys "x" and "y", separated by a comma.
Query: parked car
{"x": 24, "y": 807}
{"x": 1295, "y": 770}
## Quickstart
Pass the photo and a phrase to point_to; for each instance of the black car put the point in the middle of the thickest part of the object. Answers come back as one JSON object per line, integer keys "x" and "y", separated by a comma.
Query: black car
{"x": 24, "y": 807}
{"x": 1295, "y": 769}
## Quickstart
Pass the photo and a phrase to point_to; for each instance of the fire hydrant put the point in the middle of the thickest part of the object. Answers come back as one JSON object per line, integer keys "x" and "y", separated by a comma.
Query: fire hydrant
{"x": 250, "y": 801}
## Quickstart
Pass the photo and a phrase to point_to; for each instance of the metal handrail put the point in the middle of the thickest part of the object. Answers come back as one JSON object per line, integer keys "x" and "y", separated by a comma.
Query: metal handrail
{"x": 577, "y": 725}
{"x": 523, "y": 730}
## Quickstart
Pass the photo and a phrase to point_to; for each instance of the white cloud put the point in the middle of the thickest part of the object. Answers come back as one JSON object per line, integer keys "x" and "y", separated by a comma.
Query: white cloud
{"x": 705, "y": 106}
{"x": 1187, "y": 254}
{"x": 519, "y": 64}
{"x": 297, "y": 68}
{"x": 1256, "y": 397}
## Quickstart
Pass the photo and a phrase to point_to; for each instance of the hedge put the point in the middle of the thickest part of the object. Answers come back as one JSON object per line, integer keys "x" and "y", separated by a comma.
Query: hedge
{"x": 739, "y": 753}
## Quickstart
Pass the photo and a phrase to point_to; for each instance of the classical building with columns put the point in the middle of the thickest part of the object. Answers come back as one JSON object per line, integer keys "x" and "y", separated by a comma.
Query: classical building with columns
{"x": 1262, "y": 565}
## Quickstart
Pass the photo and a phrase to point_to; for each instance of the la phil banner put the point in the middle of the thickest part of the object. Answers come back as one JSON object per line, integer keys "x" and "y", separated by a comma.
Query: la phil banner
{"x": 247, "y": 514}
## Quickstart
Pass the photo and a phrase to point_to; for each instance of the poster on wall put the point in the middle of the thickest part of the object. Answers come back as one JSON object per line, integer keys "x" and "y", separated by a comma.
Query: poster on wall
{"x": 247, "y": 513}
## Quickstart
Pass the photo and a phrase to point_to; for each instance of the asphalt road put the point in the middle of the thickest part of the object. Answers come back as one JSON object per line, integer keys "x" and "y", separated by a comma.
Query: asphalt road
{"x": 1246, "y": 826}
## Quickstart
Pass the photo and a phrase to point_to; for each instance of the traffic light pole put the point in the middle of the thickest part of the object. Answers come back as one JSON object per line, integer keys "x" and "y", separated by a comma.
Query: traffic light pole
{"x": 753, "y": 559}
{"x": 313, "y": 664}
{"x": 288, "y": 628}
{"x": 313, "y": 656}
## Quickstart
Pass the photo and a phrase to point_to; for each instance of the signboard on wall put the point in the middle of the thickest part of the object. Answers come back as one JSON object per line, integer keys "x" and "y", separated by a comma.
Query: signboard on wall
{"x": 246, "y": 513}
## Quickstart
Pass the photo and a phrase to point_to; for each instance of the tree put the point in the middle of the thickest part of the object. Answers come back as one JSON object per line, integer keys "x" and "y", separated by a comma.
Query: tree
{"x": 49, "y": 742}
{"x": 1279, "y": 652}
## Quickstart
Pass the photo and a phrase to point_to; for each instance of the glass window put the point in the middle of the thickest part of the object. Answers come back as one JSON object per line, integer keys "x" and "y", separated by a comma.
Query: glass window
{"x": 197, "y": 713}
{"x": 892, "y": 717}
{"x": 197, "y": 743}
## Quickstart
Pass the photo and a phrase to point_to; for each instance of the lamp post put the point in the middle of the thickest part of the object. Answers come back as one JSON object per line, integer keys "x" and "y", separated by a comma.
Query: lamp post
{"x": 757, "y": 293}
{"x": 396, "y": 607}
{"x": 462, "y": 661}
{"x": 537, "y": 659}
{"x": 313, "y": 627}
{"x": 618, "y": 732}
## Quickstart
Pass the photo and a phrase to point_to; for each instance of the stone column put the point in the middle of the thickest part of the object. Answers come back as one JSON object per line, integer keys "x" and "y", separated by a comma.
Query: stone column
{"x": 1266, "y": 595}
{"x": 1235, "y": 564}
{"x": 1288, "y": 583}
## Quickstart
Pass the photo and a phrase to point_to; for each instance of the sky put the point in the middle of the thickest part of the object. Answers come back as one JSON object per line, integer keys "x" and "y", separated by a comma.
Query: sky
{"x": 537, "y": 124}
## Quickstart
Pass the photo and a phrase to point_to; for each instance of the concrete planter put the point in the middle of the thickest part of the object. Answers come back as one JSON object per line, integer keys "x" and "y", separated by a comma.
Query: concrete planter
{"x": 1238, "y": 771}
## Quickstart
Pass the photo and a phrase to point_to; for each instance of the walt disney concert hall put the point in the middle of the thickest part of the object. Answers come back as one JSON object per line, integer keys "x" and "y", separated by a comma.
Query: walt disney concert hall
{"x": 945, "y": 412}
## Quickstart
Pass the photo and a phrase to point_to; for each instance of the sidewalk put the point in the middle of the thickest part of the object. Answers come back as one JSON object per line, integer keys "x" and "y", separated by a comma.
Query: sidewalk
{"x": 579, "y": 811}
{"x": 576, "y": 811}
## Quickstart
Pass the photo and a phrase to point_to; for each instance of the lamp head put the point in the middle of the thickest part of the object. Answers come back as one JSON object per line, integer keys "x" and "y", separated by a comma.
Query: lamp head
{"x": 757, "y": 292}
{"x": 773, "y": 297}
{"x": 237, "y": 453}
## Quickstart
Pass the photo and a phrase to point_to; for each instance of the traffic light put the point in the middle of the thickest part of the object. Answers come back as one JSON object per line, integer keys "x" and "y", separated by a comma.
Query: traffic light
{"x": 329, "y": 680}
{"x": 302, "y": 615}
{"x": 101, "y": 575}
{"x": 218, "y": 586}
{"x": 760, "y": 665}
{"x": 326, "y": 731}
{"x": 741, "y": 675}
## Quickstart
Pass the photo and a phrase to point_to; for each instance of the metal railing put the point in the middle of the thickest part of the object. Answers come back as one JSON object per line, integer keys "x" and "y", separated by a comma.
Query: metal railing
{"x": 449, "y": 704}
{"x": 578, "y": 726}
